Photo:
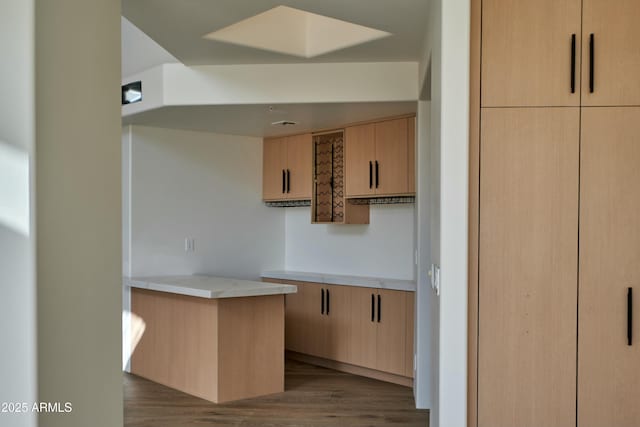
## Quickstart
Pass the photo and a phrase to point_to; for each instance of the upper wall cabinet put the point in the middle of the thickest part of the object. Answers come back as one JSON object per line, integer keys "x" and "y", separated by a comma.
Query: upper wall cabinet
{"x": 380, "y": 158}
{"x": 530, "y": 53}
{"x": 611, "y": 52}
{"x": 287, "y": 165}
{"x": 532, "y": 50}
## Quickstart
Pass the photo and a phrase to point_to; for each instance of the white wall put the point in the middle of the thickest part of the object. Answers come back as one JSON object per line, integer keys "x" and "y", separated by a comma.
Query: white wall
{"x": 454, "y": 160}
{"x": 177, "y": 84}
{"x": 447, "y": 57}
{"x": 208, "y": 187}
{"x": 17, "y": 236}
{"x": 384, "y": 248}
{"x": 428, "y": 303}
{"x": 79, "y": 257}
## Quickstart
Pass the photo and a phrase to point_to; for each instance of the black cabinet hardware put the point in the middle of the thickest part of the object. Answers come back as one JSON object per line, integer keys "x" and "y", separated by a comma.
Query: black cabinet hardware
{"x": 573, "y": 63}
{"x": 370, "y": 174}
{"x": 328, "y": 302}
{"x": 630, "y": 316}
{"x": 591, "y": 61}
{"x": 284, "y": 177}
{"x": 377, "y": 175}
{"x": 288, "y": 181}
{"x": 379, "y": 308}
{"x": 373, "y": 307}
{"x": 322, "y": 302}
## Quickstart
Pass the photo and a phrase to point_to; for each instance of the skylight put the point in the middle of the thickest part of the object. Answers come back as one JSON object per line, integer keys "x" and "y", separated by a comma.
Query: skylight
{"x": 295, "y": 32}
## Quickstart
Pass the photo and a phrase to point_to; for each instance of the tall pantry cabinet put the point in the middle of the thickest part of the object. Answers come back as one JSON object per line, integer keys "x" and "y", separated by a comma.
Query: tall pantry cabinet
{"x": 556, "y": 214}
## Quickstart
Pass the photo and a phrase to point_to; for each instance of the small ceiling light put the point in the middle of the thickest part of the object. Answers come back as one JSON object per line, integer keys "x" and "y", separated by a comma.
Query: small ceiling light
{"x": 284, "y": 123}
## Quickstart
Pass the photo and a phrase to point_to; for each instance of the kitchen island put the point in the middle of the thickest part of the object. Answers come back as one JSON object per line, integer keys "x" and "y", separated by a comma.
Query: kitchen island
{"x": 215, "y": 338}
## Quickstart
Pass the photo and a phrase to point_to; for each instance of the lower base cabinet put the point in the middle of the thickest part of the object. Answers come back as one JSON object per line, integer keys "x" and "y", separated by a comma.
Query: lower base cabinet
{"x": 366, "y": 327}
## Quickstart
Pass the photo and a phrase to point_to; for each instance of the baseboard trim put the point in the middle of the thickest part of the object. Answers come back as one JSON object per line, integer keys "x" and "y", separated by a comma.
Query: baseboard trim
{"x": 350, "y": 369}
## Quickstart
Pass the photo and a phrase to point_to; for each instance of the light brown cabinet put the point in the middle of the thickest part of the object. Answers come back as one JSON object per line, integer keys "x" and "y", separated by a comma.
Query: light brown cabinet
{"x": 616, "y": 52}
{"x": 287, "y": 164}
{"x": 528, "y": 258}
{"x": 377, "y": 158}
{"x": 364, "y": 327}
{"x": 554, "y": 230}
{"x": 318, "y": 320}
{"x": 609, "y": 343}
{"x": 527, "y": 53}
{"x": 560, "y": 53}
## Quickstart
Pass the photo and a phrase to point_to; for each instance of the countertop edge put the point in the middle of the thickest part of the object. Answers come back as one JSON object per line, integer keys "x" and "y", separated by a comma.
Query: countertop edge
{"x": 343, "y": 280}
{"x": 207, "y": 293}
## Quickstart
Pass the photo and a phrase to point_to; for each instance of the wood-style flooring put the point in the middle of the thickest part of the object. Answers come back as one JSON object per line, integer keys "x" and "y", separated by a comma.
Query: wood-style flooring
{"x": 313, "y": 396}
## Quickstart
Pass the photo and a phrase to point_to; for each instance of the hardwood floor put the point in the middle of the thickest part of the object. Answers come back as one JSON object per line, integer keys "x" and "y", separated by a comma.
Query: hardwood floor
{"x": 313, "y": 396}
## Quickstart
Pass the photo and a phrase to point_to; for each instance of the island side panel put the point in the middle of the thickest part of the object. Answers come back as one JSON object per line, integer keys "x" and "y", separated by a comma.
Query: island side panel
{"x": 179, "y": 347}
{"x": 251, "y": 347}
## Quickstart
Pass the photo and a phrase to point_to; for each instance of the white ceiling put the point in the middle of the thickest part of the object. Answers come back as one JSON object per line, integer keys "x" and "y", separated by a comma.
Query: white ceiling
{"x": 254, "y": 120}
{"x": 179, "y": 26}
{"x": 139, "y": 51}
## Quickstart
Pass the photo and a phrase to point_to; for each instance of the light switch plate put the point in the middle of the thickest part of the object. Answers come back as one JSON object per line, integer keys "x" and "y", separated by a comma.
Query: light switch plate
{"x": 434, "y": 274}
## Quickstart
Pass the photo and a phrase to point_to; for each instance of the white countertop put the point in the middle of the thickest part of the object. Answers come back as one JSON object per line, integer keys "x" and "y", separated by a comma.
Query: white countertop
{"x": 208, "y": 286}
{"x": 336, "y": 279}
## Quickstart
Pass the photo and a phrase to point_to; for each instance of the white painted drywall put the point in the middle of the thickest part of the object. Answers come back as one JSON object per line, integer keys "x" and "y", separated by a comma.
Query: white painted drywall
{"x": 204, "y": 186}
{"x": 139, "y": 51}
{"x": 79, "y": 252}
{"x": 177, "y": 84}
{"x": 428, "y": 190}
{"x": 18, "y": 367}
{"x": 443, "y": 220}
{"x": 428, "y": 303}
{"x": 126, "y": 243}
{"x": 384, "y": 248}
{"x": 454, "y": 134}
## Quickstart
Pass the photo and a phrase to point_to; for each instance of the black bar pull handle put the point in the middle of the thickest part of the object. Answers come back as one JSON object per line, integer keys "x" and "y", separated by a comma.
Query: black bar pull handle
{"x": 370, "y": 174}
{"x": 592, "y": 50}
{"x": 284, "y": 177}
{"x": 328, "y": 302}
{"x": 373, "y": 307}
{"x": 630, "y": 316}
{"x": 379, "y": 307}
{"x": 322, "y": 302}
{"x": 573, "y": 63}
{"x": 288, "y": 181}
{"x": 377, "y": 175}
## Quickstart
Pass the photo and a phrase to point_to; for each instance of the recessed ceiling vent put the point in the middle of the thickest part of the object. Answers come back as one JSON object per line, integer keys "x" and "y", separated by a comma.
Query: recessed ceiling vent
{"x": 284, "y": 123}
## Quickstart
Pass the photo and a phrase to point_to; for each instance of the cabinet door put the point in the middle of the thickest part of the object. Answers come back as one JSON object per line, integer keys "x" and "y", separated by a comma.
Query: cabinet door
{"x": 299, "y": 166}
{"x": 297, "y": 308}
{"x": 609, "y": 368}
{"x": 364, "y": 327}
{"x": 391, "y": 334}
{"x": 391, "y": 174}
{"x": 359, "y": 158}
{"x": 616, "y": 61}
{"x": 526, "y": 52}
{"x": 274, "y": 158}
{"x": 338, "y": 339}
{"x": 528, "y": 275}
{"x": 316, "y": 339}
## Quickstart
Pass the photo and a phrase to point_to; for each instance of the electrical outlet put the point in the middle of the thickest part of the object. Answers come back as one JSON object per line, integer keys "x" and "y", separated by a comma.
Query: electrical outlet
{"x": 189, "y": 244}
